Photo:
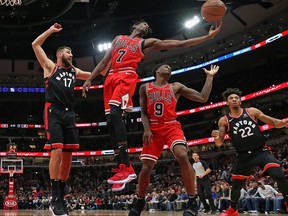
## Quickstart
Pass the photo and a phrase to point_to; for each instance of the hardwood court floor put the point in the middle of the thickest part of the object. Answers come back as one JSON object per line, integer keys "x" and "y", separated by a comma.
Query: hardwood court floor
{"x": 102, "y": 213}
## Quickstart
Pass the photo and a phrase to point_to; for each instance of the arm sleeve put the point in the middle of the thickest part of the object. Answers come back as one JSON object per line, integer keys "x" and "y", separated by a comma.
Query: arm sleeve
{"x": 204, "y": 164}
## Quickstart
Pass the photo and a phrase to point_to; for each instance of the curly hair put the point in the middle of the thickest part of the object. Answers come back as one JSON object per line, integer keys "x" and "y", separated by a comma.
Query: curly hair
{"x": 230, "y": 91}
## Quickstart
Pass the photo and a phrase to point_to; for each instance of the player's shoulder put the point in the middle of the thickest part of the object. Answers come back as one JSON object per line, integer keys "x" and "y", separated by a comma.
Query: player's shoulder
{"x": 143, "y": 86}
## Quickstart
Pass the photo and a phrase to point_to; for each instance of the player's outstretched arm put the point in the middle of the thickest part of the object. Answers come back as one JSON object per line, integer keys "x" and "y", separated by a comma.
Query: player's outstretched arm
{"x": 101, "y": 68}
{"x": 202, "y": 96}
{"x": 277, "y": 123}
{"x": 47, "y": 64}
{"x": 157, "y": 44}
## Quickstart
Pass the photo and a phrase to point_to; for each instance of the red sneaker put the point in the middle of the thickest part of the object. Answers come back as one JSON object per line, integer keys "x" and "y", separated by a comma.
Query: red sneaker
{"x": 124, "y": 175}
{"x": 230, "y": 212}
{"x": 118, "y": 187}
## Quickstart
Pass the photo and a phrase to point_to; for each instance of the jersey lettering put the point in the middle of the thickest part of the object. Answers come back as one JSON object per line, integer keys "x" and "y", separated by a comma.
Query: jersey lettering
{"x": 159, "y": 108}
{"x": 245, "y": 132}
{"x": 122, "y": 53}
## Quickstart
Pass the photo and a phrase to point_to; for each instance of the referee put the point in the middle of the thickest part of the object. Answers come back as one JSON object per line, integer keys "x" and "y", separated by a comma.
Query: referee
{"x": 203, "y": 183}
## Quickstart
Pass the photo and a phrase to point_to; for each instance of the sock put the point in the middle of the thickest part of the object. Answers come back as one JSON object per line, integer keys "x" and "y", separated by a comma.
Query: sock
{"x": 61, "y": 189}
{"x": 117, "y": 158}
{"x": 233, "y": 205}
{"x": 54, "y": 189}
{"x": 124, "y": 155}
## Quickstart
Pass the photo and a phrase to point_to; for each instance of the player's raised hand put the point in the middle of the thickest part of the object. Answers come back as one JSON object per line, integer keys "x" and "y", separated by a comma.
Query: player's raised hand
{"x": 213, "y": 70}
{"x": 56, "y": 27}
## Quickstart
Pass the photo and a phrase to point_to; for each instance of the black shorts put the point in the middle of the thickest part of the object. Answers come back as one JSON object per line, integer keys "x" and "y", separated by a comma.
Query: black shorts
{"x": 245, "y": 163}
{"x": 60, "y": 125}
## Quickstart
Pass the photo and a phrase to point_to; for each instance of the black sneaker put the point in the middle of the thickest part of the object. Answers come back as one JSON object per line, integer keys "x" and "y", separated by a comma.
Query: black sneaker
{"x": 192, "y": 208}
{"x": 137, "y": 207}
{"x": 56, "y": 207}
{"x": 206, "y": 211}
{"x": 65, "y": 207}
{"x": 213, "y": 212}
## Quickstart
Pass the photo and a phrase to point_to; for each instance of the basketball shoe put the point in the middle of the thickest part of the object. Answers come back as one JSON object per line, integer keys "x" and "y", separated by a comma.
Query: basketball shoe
{"x": 118, "y": 187}
{"x": 137, "y": 207}
{"x": 124, "y": 175}
{"x": 192, "y": 208}
{"x": 56, "y": 207}
{"x": 230, "y": 212}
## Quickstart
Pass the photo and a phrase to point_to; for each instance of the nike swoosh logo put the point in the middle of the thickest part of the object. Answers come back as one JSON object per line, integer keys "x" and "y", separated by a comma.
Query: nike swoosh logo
{"x": 230, "y": 120}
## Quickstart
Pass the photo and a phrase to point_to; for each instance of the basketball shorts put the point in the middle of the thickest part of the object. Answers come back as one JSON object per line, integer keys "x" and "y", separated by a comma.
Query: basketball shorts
{"x": 60, "y": 125}
{"x": 170, "y": 134}
{"x": 246, "y": 163}
{"x": 119, "y": 89}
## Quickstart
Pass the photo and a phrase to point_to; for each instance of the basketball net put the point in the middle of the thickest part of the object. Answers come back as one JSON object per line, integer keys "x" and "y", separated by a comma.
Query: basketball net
{"x": 11, "y": 172}
{"x": 11, "y": 2}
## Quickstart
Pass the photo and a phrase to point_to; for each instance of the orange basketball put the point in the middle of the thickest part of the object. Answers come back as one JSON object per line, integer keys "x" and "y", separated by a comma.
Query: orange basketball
{"x": 213, "y": 10}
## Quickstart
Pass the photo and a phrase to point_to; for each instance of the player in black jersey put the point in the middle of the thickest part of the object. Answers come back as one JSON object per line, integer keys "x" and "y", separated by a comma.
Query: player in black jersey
{"x": 243, "y": 129}
{"x": 60, "y": 123}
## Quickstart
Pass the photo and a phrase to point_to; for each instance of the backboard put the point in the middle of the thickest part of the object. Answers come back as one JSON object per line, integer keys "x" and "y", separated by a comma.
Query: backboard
{"x": 8, "y": 165}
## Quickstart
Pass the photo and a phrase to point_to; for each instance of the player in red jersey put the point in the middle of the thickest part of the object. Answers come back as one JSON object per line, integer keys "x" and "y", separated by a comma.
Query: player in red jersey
{"x": 158, "y": 102}
{"x": 120, "y": 84}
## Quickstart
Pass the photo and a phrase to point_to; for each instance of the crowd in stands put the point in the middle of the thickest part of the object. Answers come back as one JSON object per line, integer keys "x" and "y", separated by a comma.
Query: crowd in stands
{"x": 90, "y": 191}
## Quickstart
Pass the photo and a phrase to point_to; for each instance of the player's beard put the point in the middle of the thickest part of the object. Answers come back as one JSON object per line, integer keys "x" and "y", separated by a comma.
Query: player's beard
{"x": 66, "y": 62}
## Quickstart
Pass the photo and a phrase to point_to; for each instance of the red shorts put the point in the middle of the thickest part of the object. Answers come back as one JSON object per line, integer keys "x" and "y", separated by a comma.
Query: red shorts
{"x": 119, "y": 89}
{"x": 170, "y": 134}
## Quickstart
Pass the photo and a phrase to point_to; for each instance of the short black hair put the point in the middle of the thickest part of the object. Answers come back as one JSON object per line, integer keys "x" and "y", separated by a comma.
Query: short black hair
{"x": 230, "y": 91}
{"x": 136, "y": 22}
{"x": 156, "y": 68}
{"x": 63, "y": 47}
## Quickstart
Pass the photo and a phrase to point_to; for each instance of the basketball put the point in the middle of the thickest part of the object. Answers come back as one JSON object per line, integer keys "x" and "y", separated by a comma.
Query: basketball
{"x": 56, "y": 25}
{"x": 213, "y": 10}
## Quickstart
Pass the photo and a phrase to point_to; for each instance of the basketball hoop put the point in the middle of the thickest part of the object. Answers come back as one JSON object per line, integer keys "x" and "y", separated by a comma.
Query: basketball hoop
{"x": 11, "y": 2}
{"x": 11, "y": 170}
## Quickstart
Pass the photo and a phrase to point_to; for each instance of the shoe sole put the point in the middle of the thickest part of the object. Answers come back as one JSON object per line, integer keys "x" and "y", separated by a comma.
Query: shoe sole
{"x": 124, "y": 181}
{"x": 118, "y": 189}
{"x": 133, "y": 213}
{"x": 67, "y": 196}
{"x": 50, "y": 209}
{"x": 188, "y": 212}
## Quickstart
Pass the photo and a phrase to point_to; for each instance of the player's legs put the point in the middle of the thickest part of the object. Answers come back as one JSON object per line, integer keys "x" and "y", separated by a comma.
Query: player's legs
{"x": 144, "y": 177}
{"x": 143, "y": 184}
{"x": 113, "y": 140}
{"x": 126, "y": 172}
{"x": 188, "y": 177}
{"x": 237, "y": 185}
{"x": 118, "y": 124}
{"x": 121, "y": 88}
{"x": 277, "y": 174}
{"x": 177, "y": 143}
{"x": 187, "y": 172}
{"x": 271, "y": 167}
{"x": 242, "y": 172}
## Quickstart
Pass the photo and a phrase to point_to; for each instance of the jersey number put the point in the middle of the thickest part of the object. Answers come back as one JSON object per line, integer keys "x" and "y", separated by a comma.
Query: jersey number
{"x": 246, "y": 132}
{"x": 67, "y": 82}
{"x": 158, "y": 109}
{"x": 121, "y": 55}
